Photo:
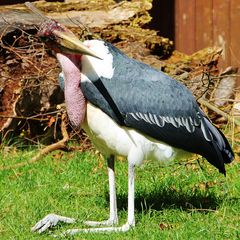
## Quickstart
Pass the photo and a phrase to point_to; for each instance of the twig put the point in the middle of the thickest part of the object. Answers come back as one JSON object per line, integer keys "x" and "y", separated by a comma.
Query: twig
{"x": 37, "y": 117}
{"x": 226, "y": 75}
{"x": 36, "y": 11}
{"x": 25, "y": 118}
{"x": 12, "y": 49}
{"x": 55, "y": 146}
{"x": 220, "y": 112}
{"x": 224, "y": 99}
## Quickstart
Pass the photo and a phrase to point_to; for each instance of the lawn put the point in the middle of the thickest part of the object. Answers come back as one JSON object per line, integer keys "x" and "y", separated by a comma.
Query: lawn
{"x": 184, "y": 200}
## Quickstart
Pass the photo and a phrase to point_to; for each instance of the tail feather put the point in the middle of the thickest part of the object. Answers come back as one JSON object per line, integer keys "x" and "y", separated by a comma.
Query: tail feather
{"x": 228, "y": 154}
{"x": 221, "y": 145}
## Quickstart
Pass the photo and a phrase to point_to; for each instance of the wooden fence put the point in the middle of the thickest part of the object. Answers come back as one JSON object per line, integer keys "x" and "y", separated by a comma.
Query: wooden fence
{"x": 202, "y": 23}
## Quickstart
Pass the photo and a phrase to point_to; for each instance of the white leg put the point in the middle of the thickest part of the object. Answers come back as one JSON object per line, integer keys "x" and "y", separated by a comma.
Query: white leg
{"x": 52, "y": 220}
{"x": 113, "y": 217}
{"x": 131, "y": 195}
{"x": 112, "y": 191}
{"x": 130, "y": 220}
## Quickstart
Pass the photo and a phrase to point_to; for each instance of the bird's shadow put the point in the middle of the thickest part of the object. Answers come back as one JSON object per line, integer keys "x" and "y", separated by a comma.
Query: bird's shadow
{"x": 163, "y": 198}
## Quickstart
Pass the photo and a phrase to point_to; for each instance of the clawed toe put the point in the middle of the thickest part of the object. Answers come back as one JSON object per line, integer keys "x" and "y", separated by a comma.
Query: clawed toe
{"x": 50, "y": 221}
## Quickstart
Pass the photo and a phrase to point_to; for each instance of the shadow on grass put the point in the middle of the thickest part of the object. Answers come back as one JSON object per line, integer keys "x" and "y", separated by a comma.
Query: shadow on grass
{"x": 171, "y": 199}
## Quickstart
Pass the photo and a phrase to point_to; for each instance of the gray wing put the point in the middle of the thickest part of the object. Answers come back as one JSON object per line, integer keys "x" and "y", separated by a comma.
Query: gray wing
{"x": 164, "y": 110}
{"x": 159, "y": 103}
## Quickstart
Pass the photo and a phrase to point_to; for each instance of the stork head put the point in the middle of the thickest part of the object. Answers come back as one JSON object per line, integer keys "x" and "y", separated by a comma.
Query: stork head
{"x": 60, "y": 39}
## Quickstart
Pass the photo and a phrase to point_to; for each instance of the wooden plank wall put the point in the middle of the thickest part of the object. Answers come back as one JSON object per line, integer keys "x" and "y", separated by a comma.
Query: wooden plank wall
{"x": 203, "y": 23}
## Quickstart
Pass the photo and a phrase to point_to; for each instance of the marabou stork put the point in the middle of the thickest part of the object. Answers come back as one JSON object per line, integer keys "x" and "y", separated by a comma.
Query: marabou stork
{"x": 130, "y": 109}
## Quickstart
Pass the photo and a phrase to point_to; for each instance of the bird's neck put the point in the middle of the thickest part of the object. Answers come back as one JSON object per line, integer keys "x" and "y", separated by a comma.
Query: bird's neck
{"x": 74, "y": 98}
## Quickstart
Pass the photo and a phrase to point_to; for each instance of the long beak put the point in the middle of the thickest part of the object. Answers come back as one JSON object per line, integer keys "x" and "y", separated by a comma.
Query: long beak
{"x": 72, "y": 44}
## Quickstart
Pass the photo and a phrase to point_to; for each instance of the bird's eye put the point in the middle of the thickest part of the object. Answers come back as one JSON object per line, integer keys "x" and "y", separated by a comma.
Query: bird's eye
{"x": 43, "y": 38}
{"x": 47, "y": 38}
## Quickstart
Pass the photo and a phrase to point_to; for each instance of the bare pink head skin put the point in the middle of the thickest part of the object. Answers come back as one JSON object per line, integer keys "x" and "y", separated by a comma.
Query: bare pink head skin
{"x": 71, "y": 67}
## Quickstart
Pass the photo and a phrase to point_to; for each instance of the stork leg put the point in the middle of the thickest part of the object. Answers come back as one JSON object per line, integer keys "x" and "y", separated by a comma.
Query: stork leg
{"x": 52, "y": 219}
{"x": 130, "y": 220}
{"x": 113, "y": 217}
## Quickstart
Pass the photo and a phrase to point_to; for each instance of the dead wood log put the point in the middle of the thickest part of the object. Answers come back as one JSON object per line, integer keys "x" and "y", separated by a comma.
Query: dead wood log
{"x": 226, "y": 85}
{"x": 90, "y": 13}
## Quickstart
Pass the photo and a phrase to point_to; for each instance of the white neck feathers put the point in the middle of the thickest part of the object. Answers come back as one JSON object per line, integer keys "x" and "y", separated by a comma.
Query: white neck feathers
{"x": 93, "y": 68}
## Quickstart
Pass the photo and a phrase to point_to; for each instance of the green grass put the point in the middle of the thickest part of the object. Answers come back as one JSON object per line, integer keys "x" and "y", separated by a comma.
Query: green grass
{"x": 175, "y": 201}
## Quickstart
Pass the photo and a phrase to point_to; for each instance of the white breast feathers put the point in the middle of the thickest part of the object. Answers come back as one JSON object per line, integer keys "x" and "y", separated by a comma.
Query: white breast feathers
{"x": 110, "y": 138}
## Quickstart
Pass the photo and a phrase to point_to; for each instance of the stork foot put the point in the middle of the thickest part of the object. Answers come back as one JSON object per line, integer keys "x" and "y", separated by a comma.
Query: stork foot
{"x": 123, "y": 228}
{"x": 50, "y": 221}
